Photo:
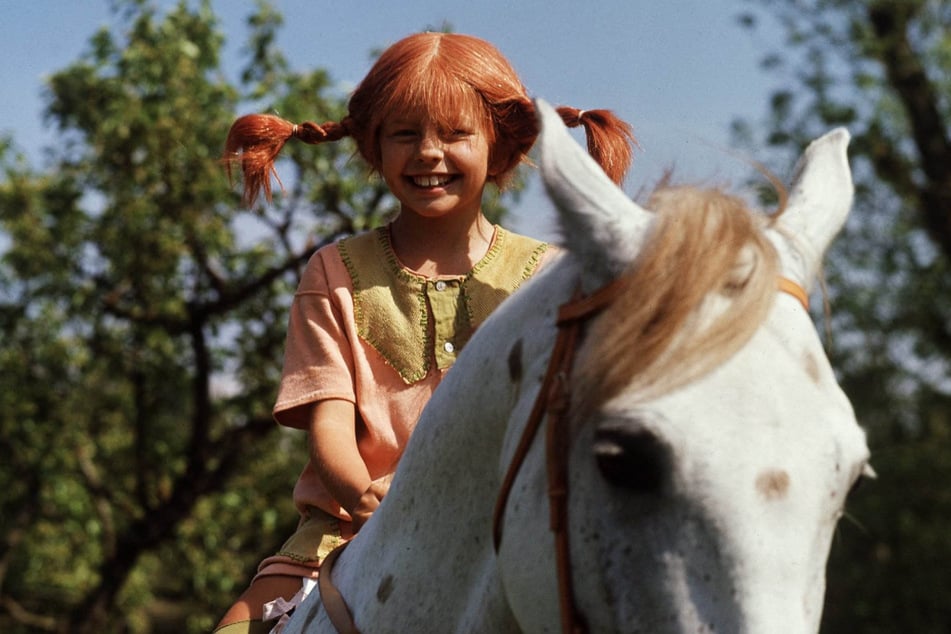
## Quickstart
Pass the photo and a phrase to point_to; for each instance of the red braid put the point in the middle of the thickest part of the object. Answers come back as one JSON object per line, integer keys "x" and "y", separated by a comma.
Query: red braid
{"x": 610, "y": 139}
{"x": 255, "y": 141}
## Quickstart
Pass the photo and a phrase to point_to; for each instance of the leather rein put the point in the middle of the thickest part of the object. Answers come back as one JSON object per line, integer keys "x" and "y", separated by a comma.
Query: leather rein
{"x": 553, "y": 401}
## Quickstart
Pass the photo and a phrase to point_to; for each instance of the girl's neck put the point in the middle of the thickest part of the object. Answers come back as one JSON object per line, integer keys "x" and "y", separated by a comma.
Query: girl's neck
{"x": 449, "y": 245}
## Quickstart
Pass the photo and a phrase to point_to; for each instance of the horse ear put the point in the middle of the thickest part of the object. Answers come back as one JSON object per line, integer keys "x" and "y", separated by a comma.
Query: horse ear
{"x": 819, "y": 200}
{"x": 598, "y": 221}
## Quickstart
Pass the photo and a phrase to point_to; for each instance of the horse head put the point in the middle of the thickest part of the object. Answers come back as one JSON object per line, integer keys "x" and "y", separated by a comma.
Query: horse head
{"x": 711, "y": 449}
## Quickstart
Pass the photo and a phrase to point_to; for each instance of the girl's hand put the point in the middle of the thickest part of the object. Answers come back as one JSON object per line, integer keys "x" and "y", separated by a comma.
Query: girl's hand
{"x": 368, "y": 502}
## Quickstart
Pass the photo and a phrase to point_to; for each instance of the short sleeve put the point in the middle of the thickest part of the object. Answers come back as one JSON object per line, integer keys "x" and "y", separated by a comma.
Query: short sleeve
{"x": 318, "y": 358}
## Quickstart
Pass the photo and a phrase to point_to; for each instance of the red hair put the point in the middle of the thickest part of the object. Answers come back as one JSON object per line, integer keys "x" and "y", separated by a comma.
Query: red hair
{"x": 447, "y": 76}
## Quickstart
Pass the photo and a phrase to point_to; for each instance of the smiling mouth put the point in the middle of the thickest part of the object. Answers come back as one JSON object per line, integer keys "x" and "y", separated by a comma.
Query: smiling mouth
{"x": 432, "y": 181}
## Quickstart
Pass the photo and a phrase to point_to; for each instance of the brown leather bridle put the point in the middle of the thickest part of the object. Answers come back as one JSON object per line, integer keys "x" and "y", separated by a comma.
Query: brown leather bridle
{"x": 553, "y": 400}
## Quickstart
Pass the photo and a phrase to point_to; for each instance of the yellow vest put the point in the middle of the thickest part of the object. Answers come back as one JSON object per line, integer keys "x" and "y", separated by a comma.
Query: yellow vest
{"x": 412, "y": 320}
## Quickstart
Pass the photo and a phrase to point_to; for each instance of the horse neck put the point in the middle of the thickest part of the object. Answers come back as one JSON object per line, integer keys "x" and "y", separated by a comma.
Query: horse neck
{"x": 445, "y": 487}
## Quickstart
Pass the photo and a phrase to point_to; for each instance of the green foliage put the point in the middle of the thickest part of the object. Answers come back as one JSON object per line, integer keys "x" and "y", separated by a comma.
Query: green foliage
{"x": 882, "y": 68}
{"x": 143, "y": 315}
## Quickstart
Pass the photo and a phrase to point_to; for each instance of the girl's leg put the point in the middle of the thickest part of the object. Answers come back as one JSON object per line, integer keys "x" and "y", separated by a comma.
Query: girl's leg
{"x": 250, "y": 605}
{"x": 245, "y": 627}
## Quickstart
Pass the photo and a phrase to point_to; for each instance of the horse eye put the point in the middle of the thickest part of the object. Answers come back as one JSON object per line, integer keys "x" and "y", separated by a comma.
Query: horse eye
{"x": 631, "y": 457}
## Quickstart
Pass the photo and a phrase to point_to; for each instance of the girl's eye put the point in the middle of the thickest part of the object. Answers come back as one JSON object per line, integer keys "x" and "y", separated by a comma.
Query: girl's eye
{"x": 402, "y": 135}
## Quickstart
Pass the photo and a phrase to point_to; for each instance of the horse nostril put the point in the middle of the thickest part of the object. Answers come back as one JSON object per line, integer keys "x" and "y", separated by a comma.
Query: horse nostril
{"x": 631, "y": 458}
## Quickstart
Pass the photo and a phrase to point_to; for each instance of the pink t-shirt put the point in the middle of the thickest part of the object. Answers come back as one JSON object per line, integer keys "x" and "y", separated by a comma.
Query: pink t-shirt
{"x": 327, "y": 358}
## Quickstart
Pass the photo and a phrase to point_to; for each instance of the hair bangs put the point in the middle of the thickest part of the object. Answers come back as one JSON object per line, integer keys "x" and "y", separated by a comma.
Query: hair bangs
{"x": 437, "y": 93}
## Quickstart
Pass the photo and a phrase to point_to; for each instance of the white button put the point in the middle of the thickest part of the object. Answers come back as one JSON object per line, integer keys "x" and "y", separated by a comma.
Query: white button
{"x": 440, "y": 285}
{"x": 448, "y": 347}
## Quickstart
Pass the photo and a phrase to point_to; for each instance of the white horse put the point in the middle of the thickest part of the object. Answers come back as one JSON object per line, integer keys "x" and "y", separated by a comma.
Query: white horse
{"x": 708, "y": 447}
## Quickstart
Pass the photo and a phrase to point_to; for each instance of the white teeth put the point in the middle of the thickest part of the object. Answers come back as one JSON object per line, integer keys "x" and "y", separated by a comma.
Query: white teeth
{"x": 431, "y": 181}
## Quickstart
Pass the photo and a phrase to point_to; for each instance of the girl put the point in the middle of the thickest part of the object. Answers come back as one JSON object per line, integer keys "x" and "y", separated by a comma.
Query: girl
{"x": 379, "y": 318}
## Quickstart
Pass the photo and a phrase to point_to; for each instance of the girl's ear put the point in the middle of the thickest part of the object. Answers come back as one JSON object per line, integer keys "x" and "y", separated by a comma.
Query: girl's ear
{"x": 497, "y": 157}
{"x": 495, "y": 167}
{"x": 501, "y": 160}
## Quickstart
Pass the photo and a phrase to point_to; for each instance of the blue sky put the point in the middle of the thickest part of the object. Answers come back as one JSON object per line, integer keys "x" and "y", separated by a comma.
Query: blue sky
{"x": 678, "y": 70}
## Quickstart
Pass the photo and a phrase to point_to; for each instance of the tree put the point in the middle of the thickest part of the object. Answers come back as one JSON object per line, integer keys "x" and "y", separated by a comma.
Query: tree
{"x": 882, "y": 68}
{"x": 143, "y": 314}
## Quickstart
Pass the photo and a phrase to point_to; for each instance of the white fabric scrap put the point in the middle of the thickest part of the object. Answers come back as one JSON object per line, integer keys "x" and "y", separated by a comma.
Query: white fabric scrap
{"x": 281, "y": 609}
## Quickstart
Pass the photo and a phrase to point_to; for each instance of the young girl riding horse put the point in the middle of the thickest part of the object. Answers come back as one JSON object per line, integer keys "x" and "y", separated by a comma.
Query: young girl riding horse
{"x": 380, "y": 317}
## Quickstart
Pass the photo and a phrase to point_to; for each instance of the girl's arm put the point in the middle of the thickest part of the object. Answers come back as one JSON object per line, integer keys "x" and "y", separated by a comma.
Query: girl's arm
{"x": 337, "y": 461}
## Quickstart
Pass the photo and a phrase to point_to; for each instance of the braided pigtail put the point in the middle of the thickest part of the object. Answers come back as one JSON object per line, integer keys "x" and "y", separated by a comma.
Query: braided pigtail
{"x": 610, "y": 139}
{"x": 255, "y": 141}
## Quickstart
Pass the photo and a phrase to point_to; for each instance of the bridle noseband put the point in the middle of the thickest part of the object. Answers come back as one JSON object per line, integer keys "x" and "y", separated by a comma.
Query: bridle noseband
{"x": 553, "y": 400}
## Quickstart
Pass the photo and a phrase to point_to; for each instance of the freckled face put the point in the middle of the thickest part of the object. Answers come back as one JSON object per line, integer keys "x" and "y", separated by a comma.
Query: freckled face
{"x": 434, "y": 171}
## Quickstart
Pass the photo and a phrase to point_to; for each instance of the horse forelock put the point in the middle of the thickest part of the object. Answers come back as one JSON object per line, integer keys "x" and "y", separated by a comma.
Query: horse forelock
{"x": 662, "y": 331}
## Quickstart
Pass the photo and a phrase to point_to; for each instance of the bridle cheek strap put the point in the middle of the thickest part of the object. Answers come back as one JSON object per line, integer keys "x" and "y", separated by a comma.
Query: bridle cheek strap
{"x": 553, "y": 400}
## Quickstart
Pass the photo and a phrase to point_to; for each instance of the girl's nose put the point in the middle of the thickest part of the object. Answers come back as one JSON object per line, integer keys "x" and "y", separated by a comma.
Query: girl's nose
{"x": 430, "y": 146}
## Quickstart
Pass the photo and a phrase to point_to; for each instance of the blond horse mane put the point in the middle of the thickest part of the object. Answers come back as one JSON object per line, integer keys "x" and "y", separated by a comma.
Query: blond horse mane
{"x": 705, "y": 247}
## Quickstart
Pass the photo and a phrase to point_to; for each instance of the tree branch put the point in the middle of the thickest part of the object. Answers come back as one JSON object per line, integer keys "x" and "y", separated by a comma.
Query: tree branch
{"x": 918, "y": 96}
{"x": 146, "y": 533}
